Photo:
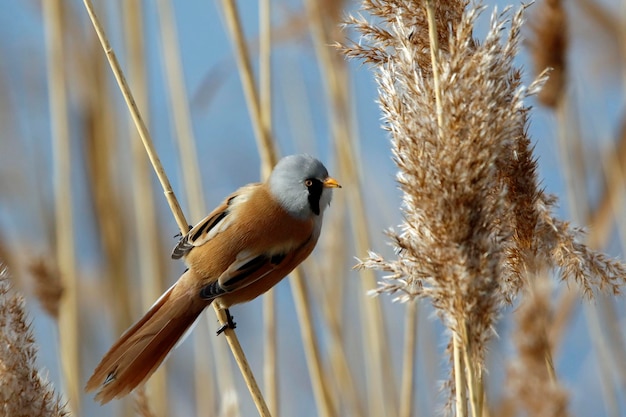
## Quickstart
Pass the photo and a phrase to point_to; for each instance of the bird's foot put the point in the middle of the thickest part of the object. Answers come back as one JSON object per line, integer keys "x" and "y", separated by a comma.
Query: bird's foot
{"x": 230, "y": 324}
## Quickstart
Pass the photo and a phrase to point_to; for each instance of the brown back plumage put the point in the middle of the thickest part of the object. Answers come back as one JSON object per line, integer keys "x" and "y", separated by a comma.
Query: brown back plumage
{"x": 142, "y": 348}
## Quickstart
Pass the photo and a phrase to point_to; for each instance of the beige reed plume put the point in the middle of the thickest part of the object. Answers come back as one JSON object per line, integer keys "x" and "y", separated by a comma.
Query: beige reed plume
{"x": 23, "y": 390}
{"x": 476, "y": 222}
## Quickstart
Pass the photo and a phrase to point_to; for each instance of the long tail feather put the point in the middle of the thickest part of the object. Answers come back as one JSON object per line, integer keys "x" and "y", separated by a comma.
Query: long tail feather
{"x": 142, "y": 348}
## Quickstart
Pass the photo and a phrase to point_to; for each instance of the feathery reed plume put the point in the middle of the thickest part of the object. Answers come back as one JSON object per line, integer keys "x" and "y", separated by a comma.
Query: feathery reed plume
{"x": 532, "y": 385}
{"x": 23, "y": 391}
{"x": 453, "y": 245}
{"x": 475, "y": 217}
{"x": 48, "y": 285}
{"x": 548, "y": 48}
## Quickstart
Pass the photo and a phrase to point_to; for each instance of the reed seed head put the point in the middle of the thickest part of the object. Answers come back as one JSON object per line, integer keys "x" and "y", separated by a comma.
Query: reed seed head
{"x": 23, "y": 392}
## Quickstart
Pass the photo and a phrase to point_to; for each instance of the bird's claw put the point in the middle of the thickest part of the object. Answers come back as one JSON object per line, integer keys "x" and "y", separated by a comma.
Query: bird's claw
{"x": 230, "y": 324}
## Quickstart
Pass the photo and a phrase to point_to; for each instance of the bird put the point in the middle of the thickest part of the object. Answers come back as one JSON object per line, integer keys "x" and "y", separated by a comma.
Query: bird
{"x": 244, "y": 247}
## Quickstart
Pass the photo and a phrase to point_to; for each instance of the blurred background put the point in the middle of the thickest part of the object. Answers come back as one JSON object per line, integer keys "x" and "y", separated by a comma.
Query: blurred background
{"x": 81, "y": 206}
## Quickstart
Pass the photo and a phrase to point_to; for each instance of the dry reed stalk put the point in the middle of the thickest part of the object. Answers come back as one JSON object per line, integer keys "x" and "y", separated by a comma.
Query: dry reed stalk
{"x": 603, "y": 355}
{"x": 192, "y": 179}
{"x": 380, "y": 381}
{"x": 23, "y": 390}
{"x": 614, "y": 341}
{"x": 609, "y": 208}
{"x": 244, "y": 366}
{"x": 270, "y": 349}
{"x": 99, "y": 136}
{"x": 64, "y": 226}
{"x": 434, "y": 52}
{"x": 180, "y": 110}
{"x": 549, "y": 49}
{"x": 323, "y": 400}
{"x": 151, "y": 276}
{"x": 265, "y": 64}
{"x": 614, "y": 174}
{"x": 261, "y": 123}
{"x": 573, "y": 166}
{"x": 265, "y": 143}
{"x": 614, "y": 184}
{"x": 476, "y": 221}
{"x": 205, "y": 382}
{"x": 531, "y": 383}
{"x": 408, "y": 360}
{"x": 259, "y": 108}
{"x": 345, "y": 388}
{"x": 459, "y": 377}
{"x": 270, "y": 353}
{"x": 144, "y": 134}
{"x": 171, "y": 198}
{"x": 329, "y": 295}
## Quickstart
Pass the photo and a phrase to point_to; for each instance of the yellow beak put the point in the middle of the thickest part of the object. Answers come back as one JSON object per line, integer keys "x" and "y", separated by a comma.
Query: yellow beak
{"x": 331, "y": 183}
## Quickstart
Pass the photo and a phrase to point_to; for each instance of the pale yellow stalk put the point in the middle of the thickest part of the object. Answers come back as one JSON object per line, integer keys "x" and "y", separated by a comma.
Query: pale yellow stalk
{"x": 381, "y": 384}
{"x": 137, "y": 118}
{"x": 265, "y": 144}
{"x": 270, "y": 348}
{"x": 434, "y": 50}
{"x": 63, "y": 197}
{"x": 145, "y": 222}
{"x": 570, "y": 150}
{"x": 459, "y": 377}
{"x": 325, "y": 407}
{"x": 175, "y": 207}
{"x": 408, "y": 360}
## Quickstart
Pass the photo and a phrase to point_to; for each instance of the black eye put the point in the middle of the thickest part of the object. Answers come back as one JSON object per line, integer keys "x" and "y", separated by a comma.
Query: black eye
{"x": 308, "y": 183}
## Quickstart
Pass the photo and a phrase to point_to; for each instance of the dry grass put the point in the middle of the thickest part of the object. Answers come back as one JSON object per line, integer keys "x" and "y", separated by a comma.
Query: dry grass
{"x": 23, "y": 390}
{"x": 480, "y": 239}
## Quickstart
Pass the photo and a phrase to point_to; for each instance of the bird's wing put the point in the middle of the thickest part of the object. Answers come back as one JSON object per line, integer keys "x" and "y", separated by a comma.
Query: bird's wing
{"x": 217, "y": 221}
{"x": 248, "y": 268}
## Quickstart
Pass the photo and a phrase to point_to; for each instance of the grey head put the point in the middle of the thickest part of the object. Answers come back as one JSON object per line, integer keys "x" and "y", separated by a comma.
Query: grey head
{"x": 300, "y": 183}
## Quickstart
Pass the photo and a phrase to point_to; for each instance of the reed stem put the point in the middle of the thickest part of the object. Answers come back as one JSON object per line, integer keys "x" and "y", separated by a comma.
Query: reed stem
{"x": 408, "y": 361}
{"x": 270, "y": 348}
{"x": 137, "y": 119}
{"x": 244, "y": 366}
{"x": 172, "y": 201}
{"x": 381, "y": 384}
{"x": 68, "y": 323}
{"x": 472, "y": 375}
{"x": 325, "y": 408}
{"x": 434, "y": 51}
{"x": 265, "y": 143}
{"x": 459, "y": 377}
{"x": 147, "y": 233}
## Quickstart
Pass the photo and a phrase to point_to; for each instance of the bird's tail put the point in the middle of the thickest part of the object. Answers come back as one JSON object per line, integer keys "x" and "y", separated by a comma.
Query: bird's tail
{"x": 142, "y": 348}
